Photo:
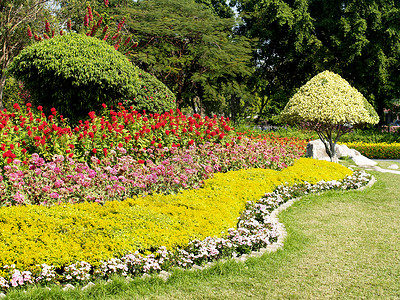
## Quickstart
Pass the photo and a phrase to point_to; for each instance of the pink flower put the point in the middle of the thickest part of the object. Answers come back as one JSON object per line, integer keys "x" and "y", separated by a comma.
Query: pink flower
{"x": 54, "y": 195}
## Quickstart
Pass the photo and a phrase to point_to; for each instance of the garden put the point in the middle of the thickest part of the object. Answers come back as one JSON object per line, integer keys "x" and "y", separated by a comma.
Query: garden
{"x": 110, "y": 184}
{"x": 132, "y": 193}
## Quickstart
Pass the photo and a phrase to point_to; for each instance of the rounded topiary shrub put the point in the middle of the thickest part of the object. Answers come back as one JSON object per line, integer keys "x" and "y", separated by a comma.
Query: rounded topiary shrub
{"x": 151, "y": 95}
{"x": 76, "y": 74}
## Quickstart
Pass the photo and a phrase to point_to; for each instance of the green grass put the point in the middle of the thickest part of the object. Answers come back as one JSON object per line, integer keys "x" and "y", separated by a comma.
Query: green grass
{"x": 340, "y": 245}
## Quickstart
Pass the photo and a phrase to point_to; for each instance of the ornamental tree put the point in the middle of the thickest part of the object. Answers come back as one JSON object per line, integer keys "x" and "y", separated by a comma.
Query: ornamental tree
{"x": 76, "y": 73}
{"x": 331, "y": 106}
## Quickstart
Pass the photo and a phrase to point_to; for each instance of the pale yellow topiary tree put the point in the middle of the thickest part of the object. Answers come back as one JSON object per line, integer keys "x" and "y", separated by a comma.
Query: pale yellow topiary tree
{"x": 331, "y": 106}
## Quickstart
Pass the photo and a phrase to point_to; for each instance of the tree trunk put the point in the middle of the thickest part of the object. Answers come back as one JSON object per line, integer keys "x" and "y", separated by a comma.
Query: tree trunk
{"x": 2, "y": 84}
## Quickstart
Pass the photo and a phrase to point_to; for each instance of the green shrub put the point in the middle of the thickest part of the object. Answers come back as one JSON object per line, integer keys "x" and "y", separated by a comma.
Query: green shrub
{"x": 376, "y": 150}
{"x": 76, "y": 74}
{"x": 151, "y": 95}
{"x": 11, "y": 93}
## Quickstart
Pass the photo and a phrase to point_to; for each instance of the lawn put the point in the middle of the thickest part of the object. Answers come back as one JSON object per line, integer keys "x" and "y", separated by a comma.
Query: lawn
{"x": 340, "y": 245}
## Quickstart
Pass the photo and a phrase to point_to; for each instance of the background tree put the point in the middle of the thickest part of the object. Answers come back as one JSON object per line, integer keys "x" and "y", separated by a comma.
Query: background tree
{"x": 329, "y": 105}
{"x": 191, "y": 50}
{"x": 359, "y": 39}
{"x": 15, "y": 16}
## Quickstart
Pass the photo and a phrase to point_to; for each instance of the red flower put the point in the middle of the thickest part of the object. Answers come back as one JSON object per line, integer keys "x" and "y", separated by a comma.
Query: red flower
{"x": 29, "y": 31}
{"x": 16, "y": 106}
{"x": 47, "y": 26}
{"x": 40, "y": 107}
{"x": 141, "y": 161}
{"x": 94, "y": 150}
{"x": 191, "y": 142}
{"x": 159, "y": 145}
{"x": 90, "y": 13}
{"x": 86, "y": 21}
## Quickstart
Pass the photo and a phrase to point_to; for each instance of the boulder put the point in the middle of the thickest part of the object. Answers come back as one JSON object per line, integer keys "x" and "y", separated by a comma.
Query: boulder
{"x": 316, "y": 149}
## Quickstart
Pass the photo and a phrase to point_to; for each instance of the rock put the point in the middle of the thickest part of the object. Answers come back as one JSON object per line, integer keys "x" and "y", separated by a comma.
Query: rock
{"x": 197, "y": 267}
{"x": 316, "y": 150}
{"x": 90, "y": 284}
{"x": 164, "y": 275}
{"x": 363, "y": 161}
{"x": 68, "y": 287}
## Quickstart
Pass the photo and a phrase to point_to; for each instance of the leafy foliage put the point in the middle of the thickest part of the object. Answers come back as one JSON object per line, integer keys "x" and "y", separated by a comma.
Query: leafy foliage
{"x": 15, "y": 15}
{"x": 76, "y": 74}
{"x": 192, "y": 50}
{"x": 358, "y": 39}
{"x": 329, "y": 105}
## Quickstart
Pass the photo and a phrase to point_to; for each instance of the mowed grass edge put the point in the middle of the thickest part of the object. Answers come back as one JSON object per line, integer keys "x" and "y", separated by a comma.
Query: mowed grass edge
{"x": 340, "y": 245}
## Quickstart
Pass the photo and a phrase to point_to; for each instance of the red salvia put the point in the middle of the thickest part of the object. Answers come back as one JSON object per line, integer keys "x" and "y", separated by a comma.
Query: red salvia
{"x": 99, "y": 22}
{"x": 29, "y": 32}
{"x": 47, "y": 26}
{"x": 69, "y": 25}
{"x": 115, "y": 36}
{"x": 127, "y": 41}
{"x": 86, "y": 21}
{"x": 121, "y": 24}
{"x": 90, "y": 14}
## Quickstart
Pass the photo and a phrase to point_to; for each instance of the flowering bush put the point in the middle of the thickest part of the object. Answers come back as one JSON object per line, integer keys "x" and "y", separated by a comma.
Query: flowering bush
{"x": 376, "y": 150}
{"x": 254, "y": 231}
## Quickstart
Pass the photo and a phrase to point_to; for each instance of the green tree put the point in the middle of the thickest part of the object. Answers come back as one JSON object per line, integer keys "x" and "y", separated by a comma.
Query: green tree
{"x": 328, "y": 104}
{"x": 15, "y": 16}
{"x": 359, "y": 39}
{"x": 191, "y": 50}
{"x": 220, "y": 7}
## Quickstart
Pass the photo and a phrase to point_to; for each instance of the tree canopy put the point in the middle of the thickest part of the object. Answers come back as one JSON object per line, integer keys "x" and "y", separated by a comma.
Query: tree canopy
{"x": 191, "y": 49}
{"x": 15, "y": 16}
{"x": 359, "y": 39}
{"x": 331, "y": 106}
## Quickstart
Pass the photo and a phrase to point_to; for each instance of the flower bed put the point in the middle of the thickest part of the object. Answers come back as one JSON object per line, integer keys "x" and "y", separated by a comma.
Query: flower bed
{"x": 168, "y": 152}
{"x": 377, "y": 150}
{"x": 64, "y": 179}
{"x": 254, "y": 228}
{"x": 128, "y": 132}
